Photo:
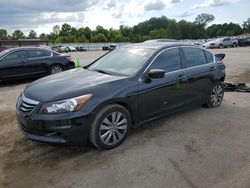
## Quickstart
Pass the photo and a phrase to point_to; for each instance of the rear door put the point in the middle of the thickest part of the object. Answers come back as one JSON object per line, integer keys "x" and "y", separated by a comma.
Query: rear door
{"x": 162, "y": 95}
{"x": 198, "y": 73}
{"x": 38, "y": 61}
{"x": 13, "y": 64}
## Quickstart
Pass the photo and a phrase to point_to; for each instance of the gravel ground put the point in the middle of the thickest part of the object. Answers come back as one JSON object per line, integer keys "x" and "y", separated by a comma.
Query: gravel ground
{"x": 196, "y": 148}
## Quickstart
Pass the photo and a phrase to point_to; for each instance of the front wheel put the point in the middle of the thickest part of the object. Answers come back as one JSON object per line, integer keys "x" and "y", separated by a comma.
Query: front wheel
{"x": 110, "y": 127}
{"x": 216, "y": 95}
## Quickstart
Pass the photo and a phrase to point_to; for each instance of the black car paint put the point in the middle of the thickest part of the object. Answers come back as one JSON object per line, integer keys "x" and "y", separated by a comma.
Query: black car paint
{"x": 32, "y": 67}
{"x": 144, "y": 98}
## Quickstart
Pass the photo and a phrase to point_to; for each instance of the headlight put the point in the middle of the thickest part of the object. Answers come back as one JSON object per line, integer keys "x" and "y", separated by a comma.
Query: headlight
{"x": 68, "y": 105}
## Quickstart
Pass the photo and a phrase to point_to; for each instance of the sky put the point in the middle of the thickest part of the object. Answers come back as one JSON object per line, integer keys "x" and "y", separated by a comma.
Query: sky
{"x": 42, "y": 15}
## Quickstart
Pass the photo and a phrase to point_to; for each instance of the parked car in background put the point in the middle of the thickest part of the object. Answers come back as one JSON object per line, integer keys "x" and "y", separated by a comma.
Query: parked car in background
{"x": 122, "y": 89}
{"x": 55, "y": 48}
{"x": 63, "y": 49}
{"x": 71, "y": 48}
{"x": 244, "y": 41}
{"x": 221, "y": 43}
{"x": 81, "y": 49}
{"x": 112, "y": 47}
{"x": 16, "y": 63}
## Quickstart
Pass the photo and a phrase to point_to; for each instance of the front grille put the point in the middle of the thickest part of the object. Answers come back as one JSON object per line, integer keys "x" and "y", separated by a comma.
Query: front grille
{"x": 27, "y": 105}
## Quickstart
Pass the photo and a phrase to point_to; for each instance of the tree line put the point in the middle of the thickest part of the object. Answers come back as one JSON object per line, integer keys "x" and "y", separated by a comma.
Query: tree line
{"x": 154, "y": 28}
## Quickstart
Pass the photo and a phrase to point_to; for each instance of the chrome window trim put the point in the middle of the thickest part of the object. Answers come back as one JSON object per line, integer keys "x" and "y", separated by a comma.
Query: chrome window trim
{"x": 178, "y": 47}
{"x": 10, "y": 52}
{"x": 152, "y": 61}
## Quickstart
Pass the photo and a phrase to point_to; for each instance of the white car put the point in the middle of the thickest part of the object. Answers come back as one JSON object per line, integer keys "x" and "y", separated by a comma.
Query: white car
{"x": 221, "y": 43}
{"x": 71, "y": 48}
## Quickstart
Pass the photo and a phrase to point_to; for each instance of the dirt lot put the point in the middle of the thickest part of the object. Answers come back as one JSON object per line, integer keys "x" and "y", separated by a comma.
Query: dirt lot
{"x": 196, "y": 148}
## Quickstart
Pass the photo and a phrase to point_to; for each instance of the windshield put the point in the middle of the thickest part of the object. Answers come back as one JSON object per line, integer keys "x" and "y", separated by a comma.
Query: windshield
{"x": 122, "y": 61}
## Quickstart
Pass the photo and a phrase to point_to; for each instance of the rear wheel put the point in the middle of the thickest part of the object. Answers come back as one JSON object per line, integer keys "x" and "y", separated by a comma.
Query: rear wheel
{"x": 110, "y": 127}
{"x": 216, "y": 95}
{"x": 55, "y": 69}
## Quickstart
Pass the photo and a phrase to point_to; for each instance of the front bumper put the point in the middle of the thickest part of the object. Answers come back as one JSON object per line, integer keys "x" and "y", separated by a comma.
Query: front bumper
{"x": 70, "y": 131}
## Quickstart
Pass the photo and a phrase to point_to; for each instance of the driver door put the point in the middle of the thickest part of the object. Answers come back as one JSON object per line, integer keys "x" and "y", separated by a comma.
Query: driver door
{"x": 13, "y": 64}
{"x": 158, "y": 96}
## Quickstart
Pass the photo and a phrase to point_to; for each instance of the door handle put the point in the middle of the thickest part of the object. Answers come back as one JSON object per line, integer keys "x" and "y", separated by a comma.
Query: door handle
{"x": 212, "y": 68}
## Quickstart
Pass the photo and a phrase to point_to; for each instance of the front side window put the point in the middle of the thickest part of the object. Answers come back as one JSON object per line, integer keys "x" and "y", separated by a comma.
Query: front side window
{"x": 15, "y": 56}
{"x": 122, "y": 61}
{"x": 194, "y": 56}
{"x": 169, "y": 60}
{"x": 38, "y": 53}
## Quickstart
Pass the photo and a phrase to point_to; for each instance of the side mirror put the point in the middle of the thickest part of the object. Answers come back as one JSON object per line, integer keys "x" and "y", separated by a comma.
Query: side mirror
{"x": 156, "y": 73}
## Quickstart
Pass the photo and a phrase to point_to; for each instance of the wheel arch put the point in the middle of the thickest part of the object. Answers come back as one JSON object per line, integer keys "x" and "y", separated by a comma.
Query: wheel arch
{"x": 126, "y": 105}
{"x": 56, "y": 63}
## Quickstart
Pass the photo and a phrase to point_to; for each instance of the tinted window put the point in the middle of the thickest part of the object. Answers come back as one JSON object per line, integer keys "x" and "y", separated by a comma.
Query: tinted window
{"x": 38, "y": 53}
{"x": 15, "y": 56}
{"x": 209, "y": 56}
{"x": 194, "y": 56}
{"x": 168, "y": 60}
{"x": 122, "y": 61}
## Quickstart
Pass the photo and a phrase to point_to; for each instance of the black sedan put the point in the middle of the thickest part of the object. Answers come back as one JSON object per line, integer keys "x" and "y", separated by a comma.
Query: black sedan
{"x": 16, "y": 63}
{"x": 121, "y": 90}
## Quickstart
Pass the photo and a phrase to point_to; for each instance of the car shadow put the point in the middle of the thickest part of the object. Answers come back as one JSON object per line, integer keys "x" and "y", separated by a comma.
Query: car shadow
{"x": 39, "y": 157}
{"x": 61, "y": 152}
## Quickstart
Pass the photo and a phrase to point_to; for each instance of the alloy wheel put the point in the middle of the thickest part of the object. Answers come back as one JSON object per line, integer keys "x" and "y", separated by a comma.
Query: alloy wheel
{"x": 56, "y": 69}
{"x": 217, "y": 95}
{"x": 113, "y": 128}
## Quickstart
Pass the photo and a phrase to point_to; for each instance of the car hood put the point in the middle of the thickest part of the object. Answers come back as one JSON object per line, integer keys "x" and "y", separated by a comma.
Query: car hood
{"x": 67, "y": 84}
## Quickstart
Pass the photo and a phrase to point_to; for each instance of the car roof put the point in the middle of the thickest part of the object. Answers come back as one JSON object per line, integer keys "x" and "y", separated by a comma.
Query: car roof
{"x": 158, "y": 45}
{"x": 28, "y": 48}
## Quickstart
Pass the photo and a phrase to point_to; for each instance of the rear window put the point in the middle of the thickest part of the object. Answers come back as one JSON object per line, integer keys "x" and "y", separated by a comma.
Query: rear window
{"x": 38, "y": 53}
{"x": 209, "y": 56}
{"x": 194, "y": 56}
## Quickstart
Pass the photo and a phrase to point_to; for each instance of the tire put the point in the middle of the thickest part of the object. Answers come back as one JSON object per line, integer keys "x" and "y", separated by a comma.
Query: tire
{"x": 216, "y": 95}
{"x": 110, "y": 127}
{"x": 55, "y": 69}
{"x": 220, "y": 46}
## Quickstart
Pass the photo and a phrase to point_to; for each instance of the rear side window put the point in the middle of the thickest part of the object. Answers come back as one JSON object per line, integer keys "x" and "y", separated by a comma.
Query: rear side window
{"x": 38, "y": 53}
{"x": 15, "y": 56}
{"x": 194, "y": 56}
{"x": 209, "y": 56}
{"x": 169, "y": 60}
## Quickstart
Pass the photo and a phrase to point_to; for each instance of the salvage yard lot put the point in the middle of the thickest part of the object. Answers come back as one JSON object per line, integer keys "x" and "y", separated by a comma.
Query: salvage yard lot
{"x": 196, "y": 148}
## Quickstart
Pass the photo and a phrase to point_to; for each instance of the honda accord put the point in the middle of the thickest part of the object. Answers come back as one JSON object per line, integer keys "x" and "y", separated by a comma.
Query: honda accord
{"x": 22, "y": 62}
{"x": 119, "y": 91}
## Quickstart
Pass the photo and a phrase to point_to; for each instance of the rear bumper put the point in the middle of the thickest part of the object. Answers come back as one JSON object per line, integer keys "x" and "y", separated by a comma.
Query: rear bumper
{"x": 69, "y": 132}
